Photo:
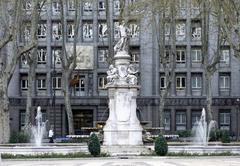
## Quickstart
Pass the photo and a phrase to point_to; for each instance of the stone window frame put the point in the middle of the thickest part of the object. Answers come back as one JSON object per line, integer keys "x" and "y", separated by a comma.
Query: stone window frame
{"x": 102, "y": 82}
{"x": 198, "y": 79}
{"x": 42, "y": 81}
{"x": 181, "y": 82}
{"x": 87, "y": 31}
{"x": 57, "y": 82}
{"x": 181, "y": 55}
{"x": 42, "y": 55}
{"x": 102, "y": 55}
{"x": 196, "y": 55}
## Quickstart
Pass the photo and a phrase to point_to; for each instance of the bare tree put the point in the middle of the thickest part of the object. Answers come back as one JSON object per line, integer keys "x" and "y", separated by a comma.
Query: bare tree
{"x": 32, "y": 57}
{"x": 209, "y": 60}
{"x": 10, "y": 53}
{"x": 161, "y": 14}
{"x": 68, "y": 61}
{"x": 229, "y": 11}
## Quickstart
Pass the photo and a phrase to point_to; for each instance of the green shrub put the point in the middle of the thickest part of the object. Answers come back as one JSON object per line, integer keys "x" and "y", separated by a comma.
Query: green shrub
{"x": 20, "y": 137}
{"x": 94, "y": 146}
{"x": 185, "y": 133}
{"x": 225, "y": 137}
{"x": 161, "y": 146}
{"x": 215, "y": 135}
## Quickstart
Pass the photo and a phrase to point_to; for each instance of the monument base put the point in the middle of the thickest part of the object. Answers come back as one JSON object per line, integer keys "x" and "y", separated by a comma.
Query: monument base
{"x": 123, "y": 126}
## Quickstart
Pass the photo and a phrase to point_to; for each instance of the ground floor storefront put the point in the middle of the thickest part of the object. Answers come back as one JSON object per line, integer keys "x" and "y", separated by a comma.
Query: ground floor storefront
{"x": 90, "y": 114}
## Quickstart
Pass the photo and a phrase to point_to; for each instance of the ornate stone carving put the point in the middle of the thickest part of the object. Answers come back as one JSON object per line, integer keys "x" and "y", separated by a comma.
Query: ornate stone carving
{"x": 112, "y": 75}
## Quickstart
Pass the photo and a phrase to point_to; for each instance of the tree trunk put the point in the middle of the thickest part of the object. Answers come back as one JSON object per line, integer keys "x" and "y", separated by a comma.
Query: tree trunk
{"x": 4, "y": 112}
{"x": 209, "y": 96}
{"x": 31, "y": 79}
{"x": 66, "y": 92}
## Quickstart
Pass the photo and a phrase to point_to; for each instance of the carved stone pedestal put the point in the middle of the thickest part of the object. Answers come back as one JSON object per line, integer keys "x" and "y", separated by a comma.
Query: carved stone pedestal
{"x": 123, "y": 126}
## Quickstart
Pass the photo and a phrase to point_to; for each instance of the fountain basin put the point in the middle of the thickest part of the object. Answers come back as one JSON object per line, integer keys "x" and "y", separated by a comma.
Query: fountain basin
{"x": 118, "y": 150}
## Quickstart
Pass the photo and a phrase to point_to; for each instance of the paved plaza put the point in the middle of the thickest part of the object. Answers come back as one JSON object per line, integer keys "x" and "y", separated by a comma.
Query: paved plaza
{"x": 144, "y": 161}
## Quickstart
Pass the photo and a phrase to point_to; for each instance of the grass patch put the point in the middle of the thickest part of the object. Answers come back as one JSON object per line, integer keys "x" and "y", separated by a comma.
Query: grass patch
{"x": 202, "y": 154}
{"x": 49, "y": 155}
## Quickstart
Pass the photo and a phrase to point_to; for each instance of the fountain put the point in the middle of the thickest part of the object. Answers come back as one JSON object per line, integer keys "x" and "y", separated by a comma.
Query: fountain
{"x": 38, "y": 130}
{"x": 202, "y": 130}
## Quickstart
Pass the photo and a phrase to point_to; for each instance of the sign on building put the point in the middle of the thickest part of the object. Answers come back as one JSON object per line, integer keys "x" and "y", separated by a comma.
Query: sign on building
{"x": 85, "y": 56}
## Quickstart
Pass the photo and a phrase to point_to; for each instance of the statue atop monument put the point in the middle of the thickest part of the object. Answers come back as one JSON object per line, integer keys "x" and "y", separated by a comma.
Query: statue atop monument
{"x": 122, "y": 44}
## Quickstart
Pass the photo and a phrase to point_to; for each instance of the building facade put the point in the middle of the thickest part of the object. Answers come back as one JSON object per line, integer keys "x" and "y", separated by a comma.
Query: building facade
{"x": 88, "y": 94}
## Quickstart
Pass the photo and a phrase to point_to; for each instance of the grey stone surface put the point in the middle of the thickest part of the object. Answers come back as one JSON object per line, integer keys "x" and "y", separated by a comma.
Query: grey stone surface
{"x": 144, "y": 161}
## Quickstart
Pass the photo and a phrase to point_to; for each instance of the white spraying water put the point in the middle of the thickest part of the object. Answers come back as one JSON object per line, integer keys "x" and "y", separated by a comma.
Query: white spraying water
{"x": 202, "y": 130}
{"x": 38, "y": 130}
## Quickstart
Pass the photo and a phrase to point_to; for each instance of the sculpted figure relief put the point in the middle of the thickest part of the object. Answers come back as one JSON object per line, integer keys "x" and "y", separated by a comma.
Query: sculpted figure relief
{"x": 112, "y": 74}
{"x": 132, "y": 70}
{"x": 122, "y": 44}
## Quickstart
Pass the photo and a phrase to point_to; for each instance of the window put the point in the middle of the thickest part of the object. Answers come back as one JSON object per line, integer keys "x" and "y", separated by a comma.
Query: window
{"x": 225, "y": 56}
{"x": 182, "y": 3}
{"x": 56, "y": 31}
{"x": 42, "y": 31}
{"x": 42, "y": 55}
{"x": 56, "y": 7}
{"x": 22, "y": 115}
{"x": 27, "y": 5}
{"x": 165, "y": 59}
{"x": 196, "y": 55}
{"x": 135, "y": 54}
{"x": 102, "y": 55}
{"x": 102, "y": 30}
{"x": 116, "y": 31}
{"x": 181, "y": 120}
{"x": 196, "y": 33}
{"x": 225, "y": 119}
{"x": 27, "y": 32}
{"x": 87, "y": 8}
{"x": 70, "y": 30}
{"x": 71, "y": 5}
{"x": 56, "y": 54}
{"x": 181, "y": 82}
{"x": 102, "y": 82}
{"x": 162, "y": 82}
{"x": 56, "y": 82}
{"x": 180, "y": 31}
{"x": 87, "y": 31}
{"x": 41, "y": 83}
{"x": 101, "y": 7}
{"x": 42, "y": 6}
{"x": 167, "y": 30}
{"x": 196, "y": 81}
{"x": 117, "y": 7}
{"x": 224, "y": 82}
{"x": 79, "y": 87}
{"x": 24, "y": 61}
{"x": 134, "y": 30}
{"x": 167, "y": 120}
{"x": 196, "y": 115}
{"x": 24, "y": 83}
{"x": 181, "y": 56}
{"x": 194, "y": 4}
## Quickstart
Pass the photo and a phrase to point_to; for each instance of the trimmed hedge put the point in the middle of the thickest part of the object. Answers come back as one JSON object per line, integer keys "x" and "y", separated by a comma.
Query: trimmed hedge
{"x": 225, "y": 137}
{"x": 94, "y": 146}
{"x": 20, "y": 137}
{"x": 161, "y": 146}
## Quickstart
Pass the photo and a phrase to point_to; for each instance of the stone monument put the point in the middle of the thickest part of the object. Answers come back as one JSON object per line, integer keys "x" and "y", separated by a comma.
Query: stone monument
{"x": 122, "y": 126}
